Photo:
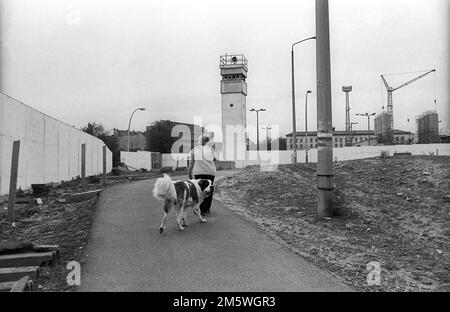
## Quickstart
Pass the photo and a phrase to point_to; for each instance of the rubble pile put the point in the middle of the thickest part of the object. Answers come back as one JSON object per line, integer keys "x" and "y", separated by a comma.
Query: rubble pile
{"x": 55, "y": 214}
{"x": 60, "y": 214}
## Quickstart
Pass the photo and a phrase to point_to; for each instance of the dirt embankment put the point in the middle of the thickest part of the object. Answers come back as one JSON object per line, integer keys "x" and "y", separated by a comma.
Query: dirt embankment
{"x": 392, "y": 211}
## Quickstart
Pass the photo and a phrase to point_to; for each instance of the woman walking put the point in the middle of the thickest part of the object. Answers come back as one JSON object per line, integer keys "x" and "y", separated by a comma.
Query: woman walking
{"x": 202, "y": 166}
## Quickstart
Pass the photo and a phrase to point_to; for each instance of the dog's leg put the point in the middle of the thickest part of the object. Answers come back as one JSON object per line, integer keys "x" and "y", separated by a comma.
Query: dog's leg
{"x": 184, "y": 223}
{"x": 162, "y": 226}
{"x": 180, "y": 215}
{"x": 198, "y": 213}
{"x": 179, "y": 218}
{"x": 167, "y": 206}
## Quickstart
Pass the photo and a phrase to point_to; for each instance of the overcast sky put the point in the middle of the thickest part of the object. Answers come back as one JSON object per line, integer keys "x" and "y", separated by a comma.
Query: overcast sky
{"x": 98, "y": 59}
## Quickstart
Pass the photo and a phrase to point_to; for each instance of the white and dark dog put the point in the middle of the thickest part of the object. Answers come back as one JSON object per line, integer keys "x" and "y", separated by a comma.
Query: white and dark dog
{"x": 181, "y": 195}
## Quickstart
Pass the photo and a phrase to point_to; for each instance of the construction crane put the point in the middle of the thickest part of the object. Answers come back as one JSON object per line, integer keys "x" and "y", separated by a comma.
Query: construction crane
{"x": 390, "y": 90}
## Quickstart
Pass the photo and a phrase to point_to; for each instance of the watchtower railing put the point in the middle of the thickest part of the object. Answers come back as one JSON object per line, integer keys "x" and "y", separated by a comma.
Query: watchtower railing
{"x": 233, "y": 59}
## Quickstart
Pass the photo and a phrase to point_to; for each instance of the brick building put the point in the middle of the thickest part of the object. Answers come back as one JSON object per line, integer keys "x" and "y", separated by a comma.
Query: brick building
{"x": 356, "y": 137}
{"x": 138, "y": 140}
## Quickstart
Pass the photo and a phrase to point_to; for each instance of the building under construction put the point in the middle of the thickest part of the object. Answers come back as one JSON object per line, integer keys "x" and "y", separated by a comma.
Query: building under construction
{"x": 428, "y": 128}
{"x": 383, "y": 128}
{"x": 385, "y": 134}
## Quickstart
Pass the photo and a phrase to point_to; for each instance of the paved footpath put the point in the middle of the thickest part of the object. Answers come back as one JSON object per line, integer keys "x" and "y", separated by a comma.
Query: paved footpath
{"x": 126, "y": 252}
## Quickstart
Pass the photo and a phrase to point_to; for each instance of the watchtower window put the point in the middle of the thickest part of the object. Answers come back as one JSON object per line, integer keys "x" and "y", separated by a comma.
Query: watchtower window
{"x": 234, "y": 77}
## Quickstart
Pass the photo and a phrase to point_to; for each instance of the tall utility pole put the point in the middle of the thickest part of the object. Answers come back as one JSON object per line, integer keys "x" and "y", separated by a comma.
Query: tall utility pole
{"x": 368, "y": 124}
{"x": 325, "y": 185}
{"x": 347, "y": 114}
{"x": 306, "y": 124}
{"x": 257, "y": 124}
{"x": 352, "y": 137}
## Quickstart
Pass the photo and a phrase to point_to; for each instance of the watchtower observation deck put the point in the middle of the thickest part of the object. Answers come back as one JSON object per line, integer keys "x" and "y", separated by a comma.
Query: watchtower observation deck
{"x": 233, "y": 69}
{"x": 233, "y": 64}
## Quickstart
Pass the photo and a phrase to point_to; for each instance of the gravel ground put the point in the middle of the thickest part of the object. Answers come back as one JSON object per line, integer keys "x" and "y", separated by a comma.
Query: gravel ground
{"x": 391, "y": 210}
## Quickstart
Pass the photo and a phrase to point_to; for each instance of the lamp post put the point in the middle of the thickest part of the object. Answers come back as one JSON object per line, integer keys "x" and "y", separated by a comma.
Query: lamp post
{"x": 368, "y": 123}
{"x": 351, "y": 131}
{"x": 267, "y": 137}
{"x": 294, "y": 130}
{"x": 257, "y": 124}
{"x": 306, "y": 123}
{"x": 129, "y": 123}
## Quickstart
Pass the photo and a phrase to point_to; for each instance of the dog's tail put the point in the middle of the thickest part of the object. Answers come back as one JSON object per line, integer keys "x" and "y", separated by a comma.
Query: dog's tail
{"x": 164, "y": 188}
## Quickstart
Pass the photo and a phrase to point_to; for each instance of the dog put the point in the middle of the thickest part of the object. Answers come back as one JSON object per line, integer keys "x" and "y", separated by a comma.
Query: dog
{"x": 181, "y": 195}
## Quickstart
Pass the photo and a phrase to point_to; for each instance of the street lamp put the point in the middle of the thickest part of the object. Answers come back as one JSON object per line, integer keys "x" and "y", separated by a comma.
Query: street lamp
{"x": 351, "y": 131}
{"x": 306, "y": 122}
{"x": 368, "y": 123}
{"x": 294, "y": 128}
{"x": 129, "y": 123}
{"x": 257, "y": 124}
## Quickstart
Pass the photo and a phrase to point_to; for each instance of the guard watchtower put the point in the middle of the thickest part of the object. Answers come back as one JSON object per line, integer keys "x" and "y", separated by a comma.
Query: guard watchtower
{"x": 233, "y": 69}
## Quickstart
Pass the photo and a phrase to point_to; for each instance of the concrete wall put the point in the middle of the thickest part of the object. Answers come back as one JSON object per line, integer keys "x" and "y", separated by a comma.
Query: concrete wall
{"x": 50, "y": 150}
{"x": 341, "y": 154}
{"x": 285, "y": 157}
{"x": 141, "y": 159}
{"x": 175, "y": 160}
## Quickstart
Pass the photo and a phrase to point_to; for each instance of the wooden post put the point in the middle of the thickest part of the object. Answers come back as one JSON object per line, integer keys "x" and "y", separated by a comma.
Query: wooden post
{"x": 83, "y": 164}
{"x": 13, "y": 180}
{"x": 104, "y": 165}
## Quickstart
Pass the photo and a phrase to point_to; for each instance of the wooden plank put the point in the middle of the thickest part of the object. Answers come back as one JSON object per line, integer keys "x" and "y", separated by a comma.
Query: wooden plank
{"x": 82, "y": 196}
{"x": 24, "y": 200}
{"x": 46, "y": 248}
{"x": 7, "y": 286}
{"x": 13, "y": 180}
{"x": 15, "y": 247}
{"x": 23, "y": 284}
{"x": 27, "y": 259}
{"x": 14, "y": 274}
{"x": 9, "y": 248}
